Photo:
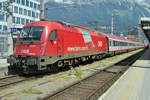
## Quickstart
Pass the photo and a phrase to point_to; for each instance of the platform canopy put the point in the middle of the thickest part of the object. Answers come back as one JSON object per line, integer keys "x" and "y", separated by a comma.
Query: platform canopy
{"x": 145, "y": 25}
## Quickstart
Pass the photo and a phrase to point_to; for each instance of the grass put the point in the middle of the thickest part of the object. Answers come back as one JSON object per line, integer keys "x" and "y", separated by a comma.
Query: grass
{"x": 76, "y": 72}
{"x": 31, "y": 90}
{"x": 118, "y": 56}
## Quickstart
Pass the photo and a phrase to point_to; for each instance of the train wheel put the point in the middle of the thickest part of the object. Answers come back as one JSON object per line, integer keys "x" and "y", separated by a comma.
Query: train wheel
{"x": 54, "y": 68}
{"x": 12, "y": 69}
{"x": 60, "y": 64}
{"x": 76, "y": 62}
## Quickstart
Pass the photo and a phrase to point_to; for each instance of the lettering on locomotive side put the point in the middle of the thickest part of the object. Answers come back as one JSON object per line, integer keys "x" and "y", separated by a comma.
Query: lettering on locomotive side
{"x": 100, "y": 44}
{"x": 24, "y": 51}
{"x": 27, "y": 52}
{"x": 32, "y": 54}
{"x": 77, "y": 48}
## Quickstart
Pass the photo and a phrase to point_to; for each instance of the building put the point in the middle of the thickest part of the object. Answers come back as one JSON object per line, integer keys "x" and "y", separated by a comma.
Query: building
{"x": 145, "y": 25}
{"x": 132, "y": 37}
{"x": 24, "y": 11}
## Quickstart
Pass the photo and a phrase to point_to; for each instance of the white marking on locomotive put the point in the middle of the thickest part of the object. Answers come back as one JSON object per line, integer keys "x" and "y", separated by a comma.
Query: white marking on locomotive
{"x": 24, "y": 51}
{"x": 77, "y": 48}
{"x": 32, "y": 54}
{"x": 55, "y": 42}
{"x": 32, "y": 46}
{"x": 100, "y": 44}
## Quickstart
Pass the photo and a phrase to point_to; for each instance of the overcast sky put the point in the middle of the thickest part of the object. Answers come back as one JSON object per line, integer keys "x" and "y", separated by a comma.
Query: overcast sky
{"x": 140, "y": 0}
{"x": 68, "y": 0}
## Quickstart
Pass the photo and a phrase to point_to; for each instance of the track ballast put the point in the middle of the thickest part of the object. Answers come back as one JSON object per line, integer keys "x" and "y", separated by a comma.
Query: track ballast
{"x": 93, "y": 86}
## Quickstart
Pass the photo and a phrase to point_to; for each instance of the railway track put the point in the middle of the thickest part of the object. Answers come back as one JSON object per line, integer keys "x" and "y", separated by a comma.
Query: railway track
{"x": 93, "y": 86}
{"x": 12, "y": 80}
{"x": 15, "y": 79}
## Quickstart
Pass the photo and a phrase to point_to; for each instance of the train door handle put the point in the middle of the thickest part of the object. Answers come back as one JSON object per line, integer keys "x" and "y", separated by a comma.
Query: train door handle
{"x": 59, "y": 48}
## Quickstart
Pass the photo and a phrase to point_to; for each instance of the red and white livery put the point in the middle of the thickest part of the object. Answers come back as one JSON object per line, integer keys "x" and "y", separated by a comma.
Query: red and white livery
{"x": 47, "y": 45}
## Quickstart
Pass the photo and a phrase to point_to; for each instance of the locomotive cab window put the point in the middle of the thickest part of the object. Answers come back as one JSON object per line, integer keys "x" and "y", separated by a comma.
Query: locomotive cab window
{"x": 31, "y": 34}
{"x": 53, "y": 35}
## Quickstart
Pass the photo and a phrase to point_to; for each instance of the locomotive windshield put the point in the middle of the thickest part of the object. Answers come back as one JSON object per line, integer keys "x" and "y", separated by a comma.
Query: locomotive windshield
{"x": 31, "y": 34}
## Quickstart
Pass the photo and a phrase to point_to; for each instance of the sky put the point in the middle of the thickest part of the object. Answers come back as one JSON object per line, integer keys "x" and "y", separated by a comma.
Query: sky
{"x": 70, "y": 0}
{"x": 136, "y": 0}
{"x": 141, "y": 0}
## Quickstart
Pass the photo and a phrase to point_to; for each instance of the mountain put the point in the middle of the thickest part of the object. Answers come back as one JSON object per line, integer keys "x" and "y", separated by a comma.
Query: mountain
{"x": 147, "y": 1}
{"x": 98, "y": 13}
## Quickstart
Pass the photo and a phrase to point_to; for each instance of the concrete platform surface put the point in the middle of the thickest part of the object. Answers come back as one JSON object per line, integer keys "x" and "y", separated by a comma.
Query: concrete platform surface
{"x": 3, "y": 63}
{"x": 134, "y": 84}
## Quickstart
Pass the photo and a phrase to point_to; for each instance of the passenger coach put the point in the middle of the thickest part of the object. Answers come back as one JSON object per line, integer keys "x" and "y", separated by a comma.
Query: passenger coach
{"x": 118, "y": 45}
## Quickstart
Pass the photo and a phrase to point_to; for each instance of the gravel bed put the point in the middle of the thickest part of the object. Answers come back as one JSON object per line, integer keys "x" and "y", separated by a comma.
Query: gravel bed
{"x": 47, "y": 84}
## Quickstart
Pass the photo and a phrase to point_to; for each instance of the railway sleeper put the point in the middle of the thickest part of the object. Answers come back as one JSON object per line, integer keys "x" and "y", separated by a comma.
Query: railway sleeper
{"x": 98, "y": 81}
{"x": 113, "y": 71}
{"x": 78, "y": 92}
{"x": 93, "y": 82}
{"x": 85, "y": 87}
{"x": 68, "y": 97}
{"x": 90, "y": 85}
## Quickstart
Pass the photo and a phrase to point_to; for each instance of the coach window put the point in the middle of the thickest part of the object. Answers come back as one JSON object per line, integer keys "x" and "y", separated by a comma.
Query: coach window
{"x": 117, "y": 43}
{"x": 120, "y": 43}
{"x": 110, "y": 43}
{"x": 114, "y": 43}
{"x": 53, "y": 35}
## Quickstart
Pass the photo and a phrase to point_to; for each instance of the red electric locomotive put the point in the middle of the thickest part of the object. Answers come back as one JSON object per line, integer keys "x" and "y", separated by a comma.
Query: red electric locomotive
{"x": 46, "y": 45}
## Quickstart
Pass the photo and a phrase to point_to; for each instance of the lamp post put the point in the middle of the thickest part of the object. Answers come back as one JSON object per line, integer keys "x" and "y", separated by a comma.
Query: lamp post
{"x": 42, "y": 10}
{"x": 10, "y": 11}
{"x": 114, "y": 12}
{"x": 112, "y": 24}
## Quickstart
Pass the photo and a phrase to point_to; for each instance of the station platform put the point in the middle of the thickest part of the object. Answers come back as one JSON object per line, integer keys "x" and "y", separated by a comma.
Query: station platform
{"x": 3, "y": 66}
{"x": 3, "y": 63}
{"x": 134, "y": 84}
